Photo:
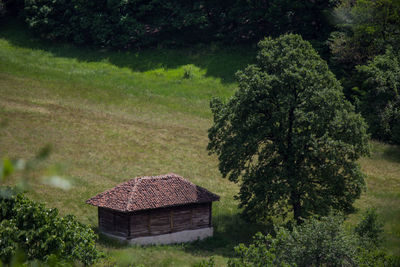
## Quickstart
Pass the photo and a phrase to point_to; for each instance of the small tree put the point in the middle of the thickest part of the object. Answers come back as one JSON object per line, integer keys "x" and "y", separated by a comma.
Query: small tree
{"x": 289, "y": 134}
{"x": 370, "y": 229}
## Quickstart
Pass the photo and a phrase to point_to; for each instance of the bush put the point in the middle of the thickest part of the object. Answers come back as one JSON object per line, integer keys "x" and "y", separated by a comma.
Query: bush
{"x": 316, "y": 242}
{"x": 188, "y": 72}
{"x": 370, "y": 228}
{"x": 40, "y": 233}
{"x": 206, "y": 263}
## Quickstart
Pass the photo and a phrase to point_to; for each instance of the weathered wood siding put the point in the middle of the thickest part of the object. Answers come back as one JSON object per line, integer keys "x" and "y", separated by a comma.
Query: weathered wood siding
{"x": 121, "y": 224}
{"x": 155, "y": 222}
{"x": 182, "y": 218}
{"x": 106, "y": 220}
{"x": 113, "y": 222}
{"x": 169, "y": 220}
{"x": 200, "y": 216}
{"x": 159, "y": 222}
{"x": 140, "y": 225}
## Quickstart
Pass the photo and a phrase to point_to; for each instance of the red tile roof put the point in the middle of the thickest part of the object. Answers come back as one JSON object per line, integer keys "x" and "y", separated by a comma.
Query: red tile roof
{"x": 151, "y": 192}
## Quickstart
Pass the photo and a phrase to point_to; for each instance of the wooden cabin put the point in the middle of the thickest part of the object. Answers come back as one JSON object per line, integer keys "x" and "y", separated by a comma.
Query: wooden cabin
{"x": 156, "y": 210}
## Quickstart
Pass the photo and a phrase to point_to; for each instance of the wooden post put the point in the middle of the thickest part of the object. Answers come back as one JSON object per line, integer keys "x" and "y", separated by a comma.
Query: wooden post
{"x": 129, "y": 225}
{"x": 114, "y": 222}
{"x": 171, "y": 220}
{"x": 210, "y": 215}
{"x": 98, "y": 217}
{"x": 191, "y": 217}
{"x": 149, "y": 223}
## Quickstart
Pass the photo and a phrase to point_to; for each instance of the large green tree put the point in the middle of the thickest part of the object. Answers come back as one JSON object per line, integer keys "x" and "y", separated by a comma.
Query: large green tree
{"x": 289, "y": 136}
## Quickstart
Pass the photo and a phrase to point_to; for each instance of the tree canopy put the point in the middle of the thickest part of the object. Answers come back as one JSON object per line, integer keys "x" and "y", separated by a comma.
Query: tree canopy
{"x": 126, "y": 24}
{"x": 289, "y": 136}
{"x": 364, "y": 30}
{"x": 380, "y": 85}
{"x": 365, "y": 27}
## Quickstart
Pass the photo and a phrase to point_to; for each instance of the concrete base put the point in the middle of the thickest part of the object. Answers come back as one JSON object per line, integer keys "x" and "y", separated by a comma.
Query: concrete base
{"x": 172, "y": 238}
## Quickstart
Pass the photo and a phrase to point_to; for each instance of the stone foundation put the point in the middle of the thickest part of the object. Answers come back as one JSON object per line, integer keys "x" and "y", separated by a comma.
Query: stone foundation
{"x": 172, "y": 238}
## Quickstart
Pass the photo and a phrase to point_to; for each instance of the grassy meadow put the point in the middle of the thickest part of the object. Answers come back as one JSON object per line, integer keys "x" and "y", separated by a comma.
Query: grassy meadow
{"x": 114, "y": 115}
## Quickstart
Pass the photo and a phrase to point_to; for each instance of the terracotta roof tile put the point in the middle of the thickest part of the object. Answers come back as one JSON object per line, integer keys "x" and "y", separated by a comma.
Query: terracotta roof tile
{"x": 150, "y": 192}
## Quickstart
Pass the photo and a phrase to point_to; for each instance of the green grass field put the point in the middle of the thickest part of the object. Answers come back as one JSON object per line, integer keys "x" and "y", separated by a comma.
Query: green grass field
{"x": 111, "y": 116}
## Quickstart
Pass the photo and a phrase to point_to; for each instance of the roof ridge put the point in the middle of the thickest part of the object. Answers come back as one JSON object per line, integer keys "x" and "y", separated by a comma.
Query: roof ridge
{"x": 168, "y": 176}
{"x": 137, "y": 179}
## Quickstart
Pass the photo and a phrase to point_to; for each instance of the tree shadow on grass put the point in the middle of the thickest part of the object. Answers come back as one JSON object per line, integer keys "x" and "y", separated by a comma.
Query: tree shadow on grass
{"x": 219, "y": 62}
{"x": 107, "y": 241}
{"x": 392, "y": 153}
{"x": 229, "y": 231}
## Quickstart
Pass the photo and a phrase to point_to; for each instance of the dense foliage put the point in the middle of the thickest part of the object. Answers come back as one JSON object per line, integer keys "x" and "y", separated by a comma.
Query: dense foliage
{"x": 314, "y": 243}
{"x": 364, "y": 29}
{"x": 370, "y": 229}
{"x": 40, "y": 233}
{"x": 126, "y": 23}
{"x": 379, "y": 82}
{"x": 289, "y": 136}
{"x": 317, "y": 242}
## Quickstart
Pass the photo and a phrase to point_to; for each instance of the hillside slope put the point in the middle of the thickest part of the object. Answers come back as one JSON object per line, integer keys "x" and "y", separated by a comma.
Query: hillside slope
{"x": 111, "y": 116}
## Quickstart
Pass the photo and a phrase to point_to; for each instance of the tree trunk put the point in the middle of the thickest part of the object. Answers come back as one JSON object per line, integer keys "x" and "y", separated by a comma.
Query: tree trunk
{"x": 290, "y": 161}
{"x": 295, "y": 199}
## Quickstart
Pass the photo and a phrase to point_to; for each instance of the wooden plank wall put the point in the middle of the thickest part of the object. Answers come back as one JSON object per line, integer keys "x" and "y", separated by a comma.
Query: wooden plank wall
{"x": 155, "y": 222}
{"x": 168, "y": 220}
{"x": 182, "y": 218}
{"x": 114, "y": 222}
{"x": 140, "y": 225}
{"x": 106, "y": 220}
{"x": 121, "y": 224}
{"x": 200, "y": 216}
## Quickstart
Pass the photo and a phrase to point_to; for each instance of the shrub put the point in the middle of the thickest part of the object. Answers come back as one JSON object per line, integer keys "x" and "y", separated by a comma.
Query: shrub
{"x": 40, "y": 233}
{"x": 188, "y": 72}
{"x": 370, "y": 227}
{"x": 317, "y": 242}
{"x": 314, "y": 243}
